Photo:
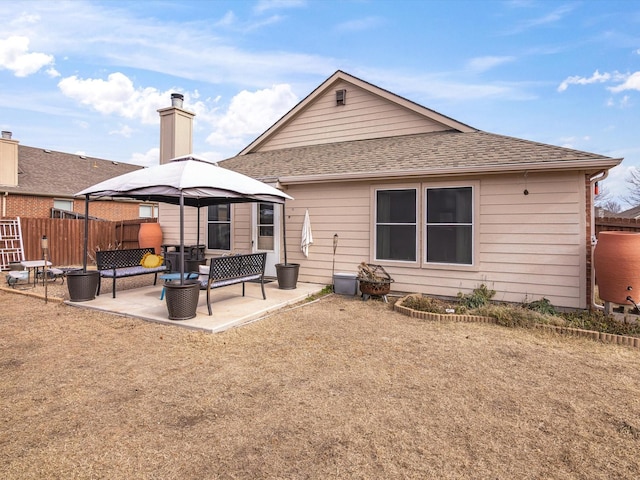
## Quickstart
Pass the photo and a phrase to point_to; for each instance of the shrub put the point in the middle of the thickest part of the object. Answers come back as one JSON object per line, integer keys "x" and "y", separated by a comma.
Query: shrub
{"x": 425, "y": 304}
{"x": 601, "y": 322}
{"x": 543, "y": 306}
{"x": 479, "y": 297}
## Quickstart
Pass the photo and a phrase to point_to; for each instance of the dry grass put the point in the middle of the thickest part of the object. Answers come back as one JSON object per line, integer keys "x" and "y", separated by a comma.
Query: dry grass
{"x": 339, "y": 388}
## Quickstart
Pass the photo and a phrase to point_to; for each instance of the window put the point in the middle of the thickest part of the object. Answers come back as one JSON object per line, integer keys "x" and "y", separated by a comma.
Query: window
{"x": 219, "y": 227}
{"x": 449, "y": 225}
{"x": 66, "y": 205}
{"x": 148, "y": 211}
{"x": 396, "y": 225}
{"x": 265, "y": 226}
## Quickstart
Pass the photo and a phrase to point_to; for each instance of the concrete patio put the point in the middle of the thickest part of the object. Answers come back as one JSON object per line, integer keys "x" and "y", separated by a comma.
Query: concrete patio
{"x": 230, "y": 308}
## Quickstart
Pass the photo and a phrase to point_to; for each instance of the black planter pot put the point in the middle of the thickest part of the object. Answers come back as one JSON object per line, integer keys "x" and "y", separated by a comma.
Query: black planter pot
{"x": 287, "y": 274}
{"x": 82, "y": 286}
{"x": 182, "y": 300}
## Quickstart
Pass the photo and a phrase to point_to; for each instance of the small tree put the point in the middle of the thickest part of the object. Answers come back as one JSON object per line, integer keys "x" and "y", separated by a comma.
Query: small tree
{"x": 606, "y": 202}
{"x": 633, "y": 179}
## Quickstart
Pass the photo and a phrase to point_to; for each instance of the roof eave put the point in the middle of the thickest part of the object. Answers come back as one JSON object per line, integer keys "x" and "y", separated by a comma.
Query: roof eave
{"x": 590, "y": 166}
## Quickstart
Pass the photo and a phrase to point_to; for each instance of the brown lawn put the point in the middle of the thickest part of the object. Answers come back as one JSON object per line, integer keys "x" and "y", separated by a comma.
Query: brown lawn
{"x": 338, "y": 388}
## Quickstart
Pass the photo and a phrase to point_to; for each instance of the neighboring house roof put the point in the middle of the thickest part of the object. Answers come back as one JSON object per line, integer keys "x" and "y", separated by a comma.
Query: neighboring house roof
{"x": 630, "y": 213}
{"x": 56, "y": 174}
{"x": 378, "y": 134}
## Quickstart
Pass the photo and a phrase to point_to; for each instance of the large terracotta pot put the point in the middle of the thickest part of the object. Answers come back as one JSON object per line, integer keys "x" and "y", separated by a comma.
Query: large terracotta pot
{"x": 150, "y": 235}
{"x": 617, "y": 264}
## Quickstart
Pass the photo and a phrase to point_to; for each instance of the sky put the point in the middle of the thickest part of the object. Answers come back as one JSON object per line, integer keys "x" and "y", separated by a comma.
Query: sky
{"x": 88, "y": 77}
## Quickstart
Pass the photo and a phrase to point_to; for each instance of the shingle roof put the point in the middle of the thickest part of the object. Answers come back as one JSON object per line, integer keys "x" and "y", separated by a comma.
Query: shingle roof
{"x": 630, "y": 213}
{"x": 437, "y": 152}
{"x": 50, "y": 173}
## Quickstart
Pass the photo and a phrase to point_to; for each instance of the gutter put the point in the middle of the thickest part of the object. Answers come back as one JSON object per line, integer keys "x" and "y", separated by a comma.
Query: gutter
{"x": 598, "y": 177}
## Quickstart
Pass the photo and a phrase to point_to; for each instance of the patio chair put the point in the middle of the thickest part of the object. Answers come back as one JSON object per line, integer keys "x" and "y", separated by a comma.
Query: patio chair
{"x": 52, "y": 274}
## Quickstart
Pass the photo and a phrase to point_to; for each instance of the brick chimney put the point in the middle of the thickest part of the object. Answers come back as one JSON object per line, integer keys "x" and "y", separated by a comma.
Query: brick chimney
{"x": 8, "y": 161}
{"x": 176, "y": 130}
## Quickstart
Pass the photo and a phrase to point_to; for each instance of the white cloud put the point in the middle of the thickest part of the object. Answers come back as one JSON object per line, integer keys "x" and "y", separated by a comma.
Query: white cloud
{"x": 148, "y": 159}
{"x": 265, "y": 5}
{"x": 248, "y": 114}
{"x": 570, "y": 142}
{"x": 15, "y": 56}
{"x": 228, "y": 20}
{"x": 550, "y": 18}
{"x": 116, "y": 95}
{"x": 597, "y": 77}
{"x": 124, "y": 131}
{"x": 251, "y": 113}
{"x": 360, "y": 24}
{"x": 631, "y": 82}
{"x": 116, "y": 38}
{"x": 482, "y": 64}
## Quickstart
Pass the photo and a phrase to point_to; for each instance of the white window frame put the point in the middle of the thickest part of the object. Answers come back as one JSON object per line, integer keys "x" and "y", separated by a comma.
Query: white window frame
{"x": 415, "y": 224}
{"x": 474, "y": 201}
{"x": 220, "y": 222}
{"x": 66, "y": 201}
{"x": 153, "y": 207}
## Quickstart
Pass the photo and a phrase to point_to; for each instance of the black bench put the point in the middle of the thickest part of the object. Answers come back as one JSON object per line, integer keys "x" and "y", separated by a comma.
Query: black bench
{"x": 234, "y": 269}
{"x": 124, "y": 263}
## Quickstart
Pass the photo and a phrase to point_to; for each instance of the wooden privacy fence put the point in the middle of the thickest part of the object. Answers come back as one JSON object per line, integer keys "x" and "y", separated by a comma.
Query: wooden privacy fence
{"x": 66, "y": 238}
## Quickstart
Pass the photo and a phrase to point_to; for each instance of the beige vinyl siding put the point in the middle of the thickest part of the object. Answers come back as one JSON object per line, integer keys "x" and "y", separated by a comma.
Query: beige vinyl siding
{"x": 336, "y": 208}
{"x": 364, "y": 116}
{"x": 533, "y": 246}
{"x": 169, "y": 219}
{"x": 241, "y": 227}
{"x": 528, "y": 246}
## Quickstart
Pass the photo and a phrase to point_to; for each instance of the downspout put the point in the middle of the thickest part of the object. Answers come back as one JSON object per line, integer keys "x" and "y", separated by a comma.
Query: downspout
{"x": 4, "y": 204}
{"x": 598, "y": 177}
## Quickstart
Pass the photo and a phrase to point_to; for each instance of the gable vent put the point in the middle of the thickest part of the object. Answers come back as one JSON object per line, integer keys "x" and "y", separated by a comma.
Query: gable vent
{"x": 341, "y": 97}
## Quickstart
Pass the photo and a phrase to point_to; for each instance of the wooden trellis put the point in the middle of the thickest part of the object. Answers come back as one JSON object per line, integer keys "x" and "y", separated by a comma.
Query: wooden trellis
{"x": 11, "y": 247}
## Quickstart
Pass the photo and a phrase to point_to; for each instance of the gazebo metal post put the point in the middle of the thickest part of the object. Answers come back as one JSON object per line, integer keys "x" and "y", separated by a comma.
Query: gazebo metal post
{"x": 86, "y": 233}
{"x": 181, "y": 237}
{"x": 284, "y": 232}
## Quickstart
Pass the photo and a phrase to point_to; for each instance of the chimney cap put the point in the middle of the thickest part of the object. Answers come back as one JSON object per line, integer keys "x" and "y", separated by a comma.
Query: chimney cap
{"x": 177, "y": 99}
{"x": 6, "y": 134}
